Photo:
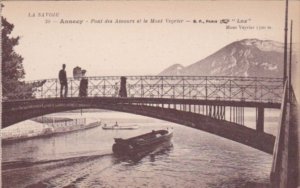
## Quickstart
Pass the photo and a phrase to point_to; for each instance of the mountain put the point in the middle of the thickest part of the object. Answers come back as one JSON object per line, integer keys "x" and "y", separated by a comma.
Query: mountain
{"x": 248, "y": 57}
{"x": 175, "y": 69}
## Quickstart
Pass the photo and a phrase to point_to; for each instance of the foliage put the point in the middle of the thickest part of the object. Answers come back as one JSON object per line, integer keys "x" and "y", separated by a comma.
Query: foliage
{"x": 12, "y": 66}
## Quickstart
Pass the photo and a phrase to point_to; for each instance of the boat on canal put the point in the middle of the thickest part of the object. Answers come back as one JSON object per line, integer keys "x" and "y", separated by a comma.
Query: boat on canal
{"x": 50, "y": 128}
{"x": 143, "y": 144}
{"x": 118, "y": 127}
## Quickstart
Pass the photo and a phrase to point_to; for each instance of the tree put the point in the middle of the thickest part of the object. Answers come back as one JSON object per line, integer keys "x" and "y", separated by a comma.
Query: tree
{"x": 12, "y": 63}
{"x": 13, "y": 72}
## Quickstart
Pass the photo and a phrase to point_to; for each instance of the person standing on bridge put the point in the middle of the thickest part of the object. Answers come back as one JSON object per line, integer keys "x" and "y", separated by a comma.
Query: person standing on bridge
{"x": 83, "y": 86}
{"x": 123, "y": 90}
{"x": 63, "y": 81}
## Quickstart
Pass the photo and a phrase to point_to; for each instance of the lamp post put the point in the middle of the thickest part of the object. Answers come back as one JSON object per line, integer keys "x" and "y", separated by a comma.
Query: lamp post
{"x": 285, "y": 42}
{"x": 290, "y": 62}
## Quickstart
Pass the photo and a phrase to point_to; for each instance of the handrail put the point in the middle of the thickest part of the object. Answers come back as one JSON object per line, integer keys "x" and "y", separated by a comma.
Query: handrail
{"x": 183, "y": 87}
{"x": 278, "y": 146}
{"x": 242, "y": 78}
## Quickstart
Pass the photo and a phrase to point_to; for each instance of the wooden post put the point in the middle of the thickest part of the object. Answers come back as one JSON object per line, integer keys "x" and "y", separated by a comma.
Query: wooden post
{"x": 260, "y": 119}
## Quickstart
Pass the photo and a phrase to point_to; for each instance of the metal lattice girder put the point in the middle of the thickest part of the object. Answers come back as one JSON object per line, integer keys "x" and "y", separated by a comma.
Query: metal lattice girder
{"x": 95, "y": 87}
{"x": 180, "y": 87}
{"x": 73, "y": 87}
{"x": 49, "y": 89}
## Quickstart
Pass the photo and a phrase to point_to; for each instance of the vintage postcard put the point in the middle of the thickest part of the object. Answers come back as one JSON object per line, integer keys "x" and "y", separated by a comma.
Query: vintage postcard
{"x": 150, "y": 94}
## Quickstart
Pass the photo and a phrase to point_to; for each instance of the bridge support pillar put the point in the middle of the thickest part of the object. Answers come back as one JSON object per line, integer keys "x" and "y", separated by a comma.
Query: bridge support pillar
{"x": 260, "y": 119}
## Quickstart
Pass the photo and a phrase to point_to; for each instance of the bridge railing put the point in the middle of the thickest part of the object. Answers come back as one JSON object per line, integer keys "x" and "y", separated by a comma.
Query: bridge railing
{"x": 279, "y": 171}
{"x": 177, "y": 87}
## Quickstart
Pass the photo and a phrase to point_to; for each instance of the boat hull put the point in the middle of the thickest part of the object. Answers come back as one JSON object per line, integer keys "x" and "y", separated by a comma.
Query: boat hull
{"x": 49, "y": 132}
{"x": 120, "y": 127}
{"x": 134, "y": 147}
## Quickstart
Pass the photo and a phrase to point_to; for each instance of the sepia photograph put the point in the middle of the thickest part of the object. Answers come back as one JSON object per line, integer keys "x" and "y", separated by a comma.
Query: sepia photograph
{"x": 166, "y": 94}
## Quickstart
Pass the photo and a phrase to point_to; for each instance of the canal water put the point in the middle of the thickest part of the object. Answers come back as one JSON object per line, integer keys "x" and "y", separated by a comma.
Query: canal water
{"x": 84, "y": 158}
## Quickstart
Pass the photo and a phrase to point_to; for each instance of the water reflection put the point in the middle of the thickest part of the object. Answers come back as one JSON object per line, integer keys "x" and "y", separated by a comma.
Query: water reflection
{"x": 163, "y": 152}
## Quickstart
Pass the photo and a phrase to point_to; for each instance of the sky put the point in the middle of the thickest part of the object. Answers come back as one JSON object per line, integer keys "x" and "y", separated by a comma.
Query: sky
{"x": 134, "y": 48}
